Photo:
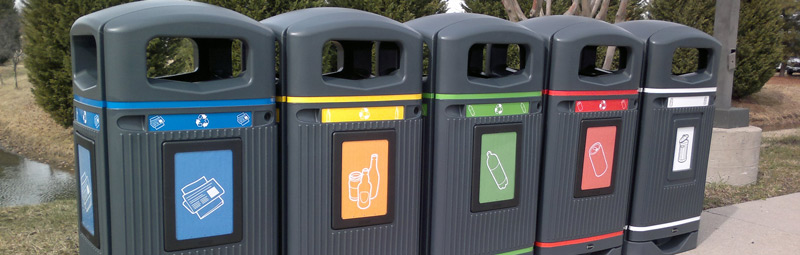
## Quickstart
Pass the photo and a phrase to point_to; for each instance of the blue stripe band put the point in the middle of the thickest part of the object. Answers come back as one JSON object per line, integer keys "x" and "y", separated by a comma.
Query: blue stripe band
{"x": 174, "y": 104}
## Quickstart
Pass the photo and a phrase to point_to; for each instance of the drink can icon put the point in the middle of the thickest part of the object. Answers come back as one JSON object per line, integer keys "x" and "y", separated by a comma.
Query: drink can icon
{"x": 597, "y": 157}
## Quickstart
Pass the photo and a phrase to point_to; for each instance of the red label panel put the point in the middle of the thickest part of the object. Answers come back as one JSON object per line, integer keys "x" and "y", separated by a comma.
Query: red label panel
{"x": 598, "y": 157}
{"x": 601, "y": 105}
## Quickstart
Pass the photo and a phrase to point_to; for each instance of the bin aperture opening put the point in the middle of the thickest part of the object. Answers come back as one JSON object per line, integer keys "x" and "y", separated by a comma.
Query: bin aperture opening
{"x": 202, "y": 193}
{"x": 495, "y": 163}
{"x": 689, "y": 61}
{"x": 195, "y": 59}
{"x": 593, "y": 60}
{"x": 359, "y": 60}
{"x": 597, "y": 152}
{"x": 495, "y": 60}
{"x": 85, "y": 69}
{"x": 426, "y": 61}
{"x": 363, "y": 178}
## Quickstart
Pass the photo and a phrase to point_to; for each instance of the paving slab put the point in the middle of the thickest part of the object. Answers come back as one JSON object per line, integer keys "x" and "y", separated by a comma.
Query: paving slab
{"x": 770, "y": 226}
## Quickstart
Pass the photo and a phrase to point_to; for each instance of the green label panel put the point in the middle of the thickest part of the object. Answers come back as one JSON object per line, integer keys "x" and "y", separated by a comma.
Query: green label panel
{"x": 503, "y": 109}
{"x": 498, "y": 167}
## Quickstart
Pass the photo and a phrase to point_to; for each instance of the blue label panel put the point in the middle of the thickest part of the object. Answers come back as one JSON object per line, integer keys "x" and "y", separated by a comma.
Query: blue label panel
{"x": 85, "y": 182}
{"x": 87, "y": 118}
{"x": 203, "y": 194}
{"x": 200, "y": 121}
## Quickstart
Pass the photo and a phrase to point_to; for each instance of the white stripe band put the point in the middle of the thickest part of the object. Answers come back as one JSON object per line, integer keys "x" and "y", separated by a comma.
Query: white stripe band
{"x": 665, "y": 225}
{"x": 678, "y": 91}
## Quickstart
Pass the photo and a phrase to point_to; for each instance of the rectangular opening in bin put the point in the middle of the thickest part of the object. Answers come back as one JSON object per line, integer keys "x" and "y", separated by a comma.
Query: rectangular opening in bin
{"x": 85, "y": 55}
{"x": 195, "y": 59}
{"x": 596, "y": 62}
{"x": 202, "y": 193}
{"x": 359, "y": 60}
{"x": 689, "y": 61}
{"x": 495, "y": 60}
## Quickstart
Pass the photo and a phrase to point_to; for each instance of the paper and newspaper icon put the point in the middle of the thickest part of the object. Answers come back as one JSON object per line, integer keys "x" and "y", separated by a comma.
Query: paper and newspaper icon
{"x": 202, "y": 197}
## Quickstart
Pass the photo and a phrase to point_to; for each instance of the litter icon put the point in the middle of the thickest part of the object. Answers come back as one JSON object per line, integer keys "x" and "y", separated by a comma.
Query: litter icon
{"x": 202, "y": 121}
{"x": 364, "y": 184}
{"x": 157, "y": 122}
{"x": 243, "y": 118}
{"x": 496, "y": 169}
{"x": 86, "y": 193}
{"x": 202, "y": 197}
{"x": 597, "y": 157}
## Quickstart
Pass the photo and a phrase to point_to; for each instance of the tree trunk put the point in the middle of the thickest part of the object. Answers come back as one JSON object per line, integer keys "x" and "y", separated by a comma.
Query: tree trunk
{"x": 601, "y": 15}
{"x": 1, "y": 80}
{"x": 16, "y": 84}
{"x": 623, "y": 7}
{"x": 536, "y": 8}
{"x": 513, "y": 10}
{"x": 783, "y": 69}
{"x": 586, "y": 9}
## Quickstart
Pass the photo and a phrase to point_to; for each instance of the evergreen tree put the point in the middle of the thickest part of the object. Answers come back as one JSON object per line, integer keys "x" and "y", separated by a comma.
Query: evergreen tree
{"x": 261, "y": 9}
{"x": 759, "y": 46}
{"x": 46, "y": 26}
{"x": 790, "y": 32}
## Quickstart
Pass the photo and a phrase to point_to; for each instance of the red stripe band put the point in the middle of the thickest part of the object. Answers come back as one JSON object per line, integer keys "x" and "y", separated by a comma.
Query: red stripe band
{"x": 578, "y": 241}
{"x": 563, "y": 93}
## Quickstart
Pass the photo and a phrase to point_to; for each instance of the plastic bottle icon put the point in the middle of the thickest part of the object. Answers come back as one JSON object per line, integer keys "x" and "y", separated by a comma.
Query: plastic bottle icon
{"x": 364, "y": 185}
{"x": 683, "y": 150}
{"x": 497, "y": 170}
{"x": 597, "y": 157}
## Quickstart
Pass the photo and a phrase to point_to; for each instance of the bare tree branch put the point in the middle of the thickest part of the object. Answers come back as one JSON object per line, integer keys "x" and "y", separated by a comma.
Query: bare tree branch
{"x": 548, "y": 7}
{"x": 536, "y": 8}
{"x": 601, "y": 15}
{"x": 623, "y": 7}
{"x": 595, "y": 7}
{"x": 513, "y": 10}
{"x": 572, "y": 8}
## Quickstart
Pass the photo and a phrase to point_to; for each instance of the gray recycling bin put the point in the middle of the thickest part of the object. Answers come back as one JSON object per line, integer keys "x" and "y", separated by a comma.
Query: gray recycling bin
{"x": 483, "y": 133}
{"x": 351, "y": 137}
{"x": 590, "y": 136}
{"x": 674, "y": 141}
{"x": 176, "y": 164}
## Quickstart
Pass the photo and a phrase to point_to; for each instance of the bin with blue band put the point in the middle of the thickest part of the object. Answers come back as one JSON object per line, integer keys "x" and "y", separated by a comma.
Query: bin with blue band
{"x": 176, "y": 164}
{"x": 484, "y": 128}
{"x": 590, "y": 135}
{"x": 351, "y": 137}
{"x": 674, "y": 141}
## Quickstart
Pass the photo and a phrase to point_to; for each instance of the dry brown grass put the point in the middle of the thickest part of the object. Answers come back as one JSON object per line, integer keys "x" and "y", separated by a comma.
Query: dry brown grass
{"x": 50, "y": 228}
{"x": 776, "y": 106}
{"x": 26, "y": 129}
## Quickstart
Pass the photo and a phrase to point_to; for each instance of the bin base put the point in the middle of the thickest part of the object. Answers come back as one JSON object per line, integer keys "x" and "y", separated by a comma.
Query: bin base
{"x": 609, "y": 246}
{"x": 669, "y": 245}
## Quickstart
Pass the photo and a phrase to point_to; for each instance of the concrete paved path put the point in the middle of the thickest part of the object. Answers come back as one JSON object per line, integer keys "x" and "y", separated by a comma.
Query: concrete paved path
{"x": 769, "y": 226}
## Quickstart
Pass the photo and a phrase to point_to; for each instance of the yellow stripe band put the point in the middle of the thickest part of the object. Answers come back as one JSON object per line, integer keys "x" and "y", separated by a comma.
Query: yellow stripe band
{"x": 349, "y": 99}
{"x": 378, "y": 113}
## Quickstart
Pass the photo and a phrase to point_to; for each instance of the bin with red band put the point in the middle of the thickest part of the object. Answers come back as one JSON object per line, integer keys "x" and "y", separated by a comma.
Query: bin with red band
{"x": 591, "y": 122}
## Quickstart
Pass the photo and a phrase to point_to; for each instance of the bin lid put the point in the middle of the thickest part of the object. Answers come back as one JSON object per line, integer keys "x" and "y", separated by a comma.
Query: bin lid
{"x": 571, "y": 37}
{"x": 303, "y": 33}
{"x": 121, "y": 35}
{"x": 450, "y": 38}
{"x": 662, "y": 40}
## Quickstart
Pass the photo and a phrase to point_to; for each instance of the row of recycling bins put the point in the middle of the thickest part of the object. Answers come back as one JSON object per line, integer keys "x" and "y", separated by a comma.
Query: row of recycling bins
{"x": 474, "y": 155}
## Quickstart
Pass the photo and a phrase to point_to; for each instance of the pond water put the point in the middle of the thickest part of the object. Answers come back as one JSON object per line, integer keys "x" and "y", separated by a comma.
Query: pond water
{"x": 27, "y": 182}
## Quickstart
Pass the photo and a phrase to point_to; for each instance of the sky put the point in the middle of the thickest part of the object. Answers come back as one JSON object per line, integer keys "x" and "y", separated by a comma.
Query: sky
{"x": 454, "y": 6}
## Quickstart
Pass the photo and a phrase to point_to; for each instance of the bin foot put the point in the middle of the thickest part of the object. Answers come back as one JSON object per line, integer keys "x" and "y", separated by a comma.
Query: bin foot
{"x": 668, "y": 245}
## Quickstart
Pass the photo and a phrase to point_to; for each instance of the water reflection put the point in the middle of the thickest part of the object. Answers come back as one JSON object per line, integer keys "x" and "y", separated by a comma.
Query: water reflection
{"x": 27, "y": 182}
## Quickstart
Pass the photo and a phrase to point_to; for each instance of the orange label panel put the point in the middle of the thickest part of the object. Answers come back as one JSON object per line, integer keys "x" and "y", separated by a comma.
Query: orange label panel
{"x": 598, "y": 157}
{"x": 365, "y": 179}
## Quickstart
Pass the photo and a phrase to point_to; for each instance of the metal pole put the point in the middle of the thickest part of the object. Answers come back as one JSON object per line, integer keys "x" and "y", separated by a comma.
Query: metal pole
{"x": 726, "y": 26}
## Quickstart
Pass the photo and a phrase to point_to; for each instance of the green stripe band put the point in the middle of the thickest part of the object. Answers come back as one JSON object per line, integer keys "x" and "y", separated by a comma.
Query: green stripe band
{"x": 482, "y": 96}
{"x": 520, "y": 251}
